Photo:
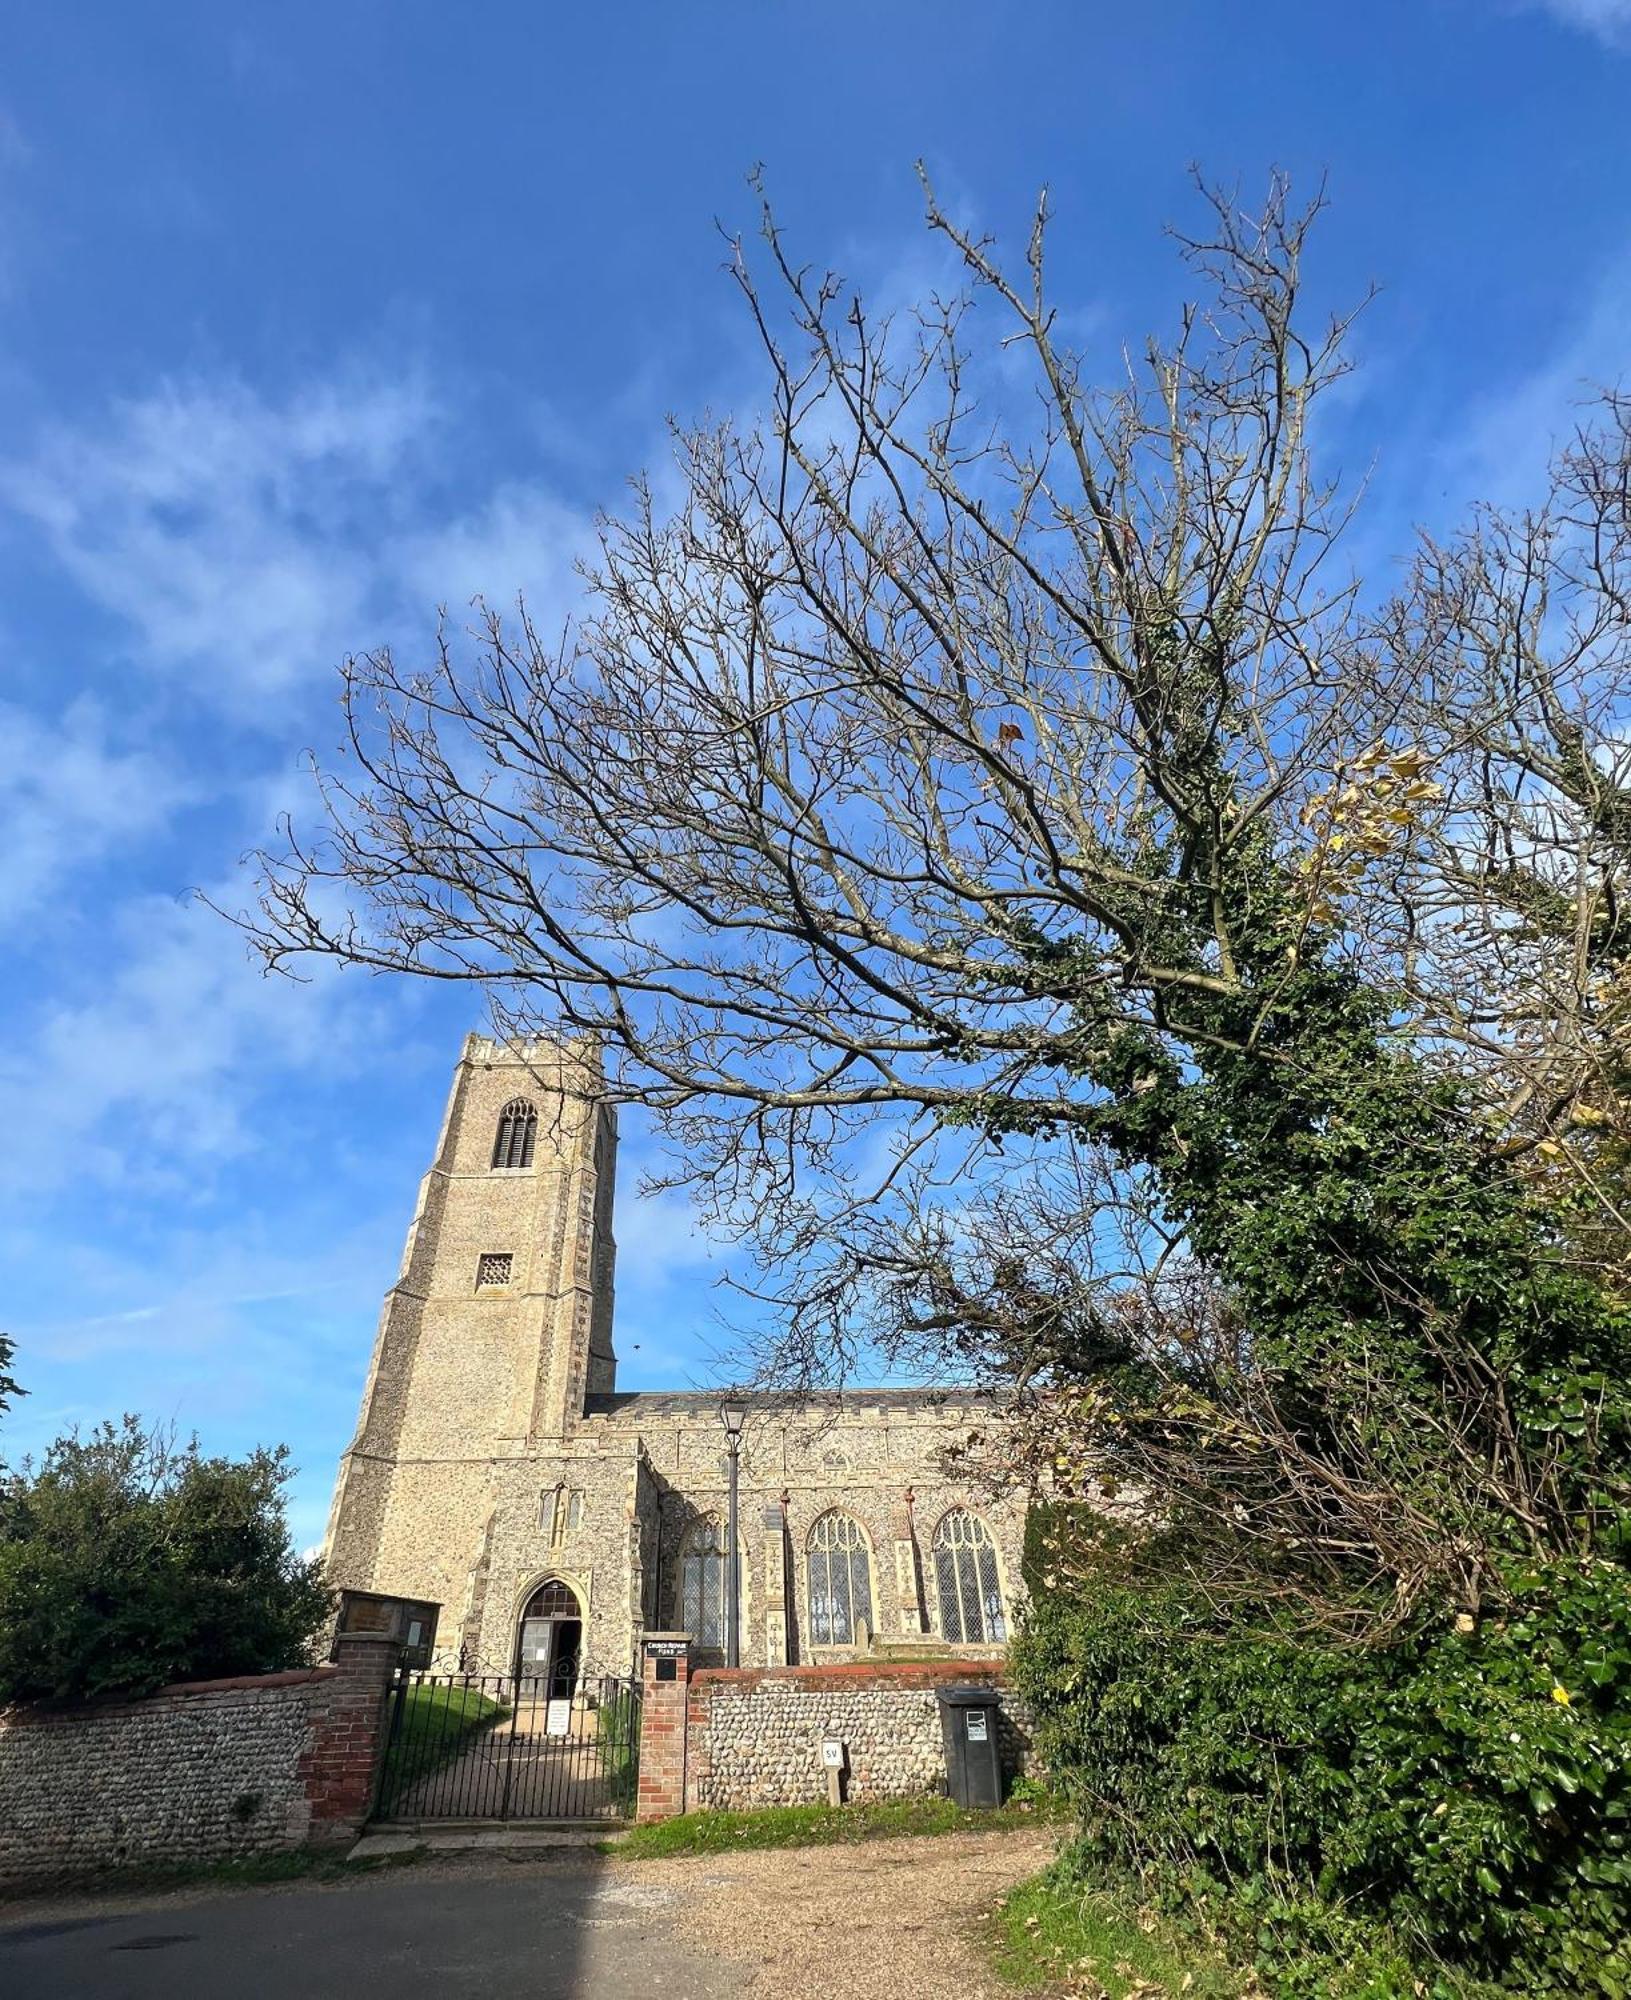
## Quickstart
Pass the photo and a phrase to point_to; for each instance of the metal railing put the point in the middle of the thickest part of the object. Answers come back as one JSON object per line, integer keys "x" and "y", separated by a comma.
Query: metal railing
{"x": 508, "y": 1747}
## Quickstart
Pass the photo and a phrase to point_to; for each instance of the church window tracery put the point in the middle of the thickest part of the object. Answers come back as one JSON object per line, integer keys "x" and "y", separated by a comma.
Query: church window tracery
{"x": 494, "y": 1267}
{"x": 702, "y": 1584}
{"x": 970, "y": 1590}
{"x": 840, "y": 1580}
{"x": 517, "y": 1132}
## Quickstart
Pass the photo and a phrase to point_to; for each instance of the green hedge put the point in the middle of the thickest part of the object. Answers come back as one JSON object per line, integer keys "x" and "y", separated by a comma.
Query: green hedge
{"x": 1470, "y": 1791}
{"x": 127, "y": 1561}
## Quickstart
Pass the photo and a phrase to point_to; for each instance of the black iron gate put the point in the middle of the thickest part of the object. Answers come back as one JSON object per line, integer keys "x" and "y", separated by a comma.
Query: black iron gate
{"x": 508, "y": 1747}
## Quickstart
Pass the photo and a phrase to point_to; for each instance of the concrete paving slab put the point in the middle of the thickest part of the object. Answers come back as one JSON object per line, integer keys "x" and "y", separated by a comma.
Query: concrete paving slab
{"x": 473, "y": 1840}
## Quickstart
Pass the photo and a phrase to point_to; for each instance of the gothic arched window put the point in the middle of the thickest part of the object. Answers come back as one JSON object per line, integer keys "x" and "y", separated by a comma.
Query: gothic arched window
{"x": 840, "y": 1591}
{"x": 965, "y": 1572}
{"x": 702, "y": 1584}
{"x": 517, "y": 1128}
{"x": 553, "y": 1599}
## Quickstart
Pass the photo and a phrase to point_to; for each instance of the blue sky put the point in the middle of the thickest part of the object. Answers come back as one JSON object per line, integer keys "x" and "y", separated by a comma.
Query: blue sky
{"x": 316, "y": 317}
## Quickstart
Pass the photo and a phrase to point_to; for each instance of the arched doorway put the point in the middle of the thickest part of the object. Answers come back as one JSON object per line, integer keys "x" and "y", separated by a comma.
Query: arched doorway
{"x": 549, "y": 1647}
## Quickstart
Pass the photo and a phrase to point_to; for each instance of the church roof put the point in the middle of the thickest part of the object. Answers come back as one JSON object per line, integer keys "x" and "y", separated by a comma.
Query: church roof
{"x": 693, "y": 1403}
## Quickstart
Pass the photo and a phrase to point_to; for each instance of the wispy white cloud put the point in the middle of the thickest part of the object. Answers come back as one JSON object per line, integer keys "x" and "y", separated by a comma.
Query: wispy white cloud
{"x": 247, "y": 1335}
{"x": 659, "y": 1237}
{"x": 69, "y": 797}
{"x": 1608, "y": 20}
{"x": 235, "y": 535}
{"x": 15, "y": 150}
{"x": 150, "y": 1076}
{"x": 1500, "y": 450}
{"x": 247, "y": 542}
{"x": 523, "y": 541}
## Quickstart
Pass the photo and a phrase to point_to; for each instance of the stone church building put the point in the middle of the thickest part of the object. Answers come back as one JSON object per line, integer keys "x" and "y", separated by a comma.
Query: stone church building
{"x": 498, "y": 1470}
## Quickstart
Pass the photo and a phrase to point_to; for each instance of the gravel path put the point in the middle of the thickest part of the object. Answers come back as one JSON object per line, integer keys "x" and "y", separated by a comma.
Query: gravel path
{"x": 888, "y": 1917}
{"x": 898, "y": 1919}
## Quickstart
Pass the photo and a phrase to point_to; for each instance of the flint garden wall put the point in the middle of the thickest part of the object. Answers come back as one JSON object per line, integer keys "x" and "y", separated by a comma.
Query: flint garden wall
{"x": 754, "y": 1736}
{"x": 207, "y": 1771}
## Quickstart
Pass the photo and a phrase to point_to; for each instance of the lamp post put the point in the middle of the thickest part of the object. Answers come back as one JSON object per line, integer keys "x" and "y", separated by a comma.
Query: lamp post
{"x": 732, "y": 1416}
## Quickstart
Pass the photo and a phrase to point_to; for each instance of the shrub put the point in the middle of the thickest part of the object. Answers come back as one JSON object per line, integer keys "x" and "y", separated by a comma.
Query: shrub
{"x": 1470, "y": 1790}
{"x": 126, "y": 1562}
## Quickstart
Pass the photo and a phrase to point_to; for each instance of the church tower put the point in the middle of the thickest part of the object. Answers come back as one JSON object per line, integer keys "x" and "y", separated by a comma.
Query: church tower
{"x": 498, "y": 1327}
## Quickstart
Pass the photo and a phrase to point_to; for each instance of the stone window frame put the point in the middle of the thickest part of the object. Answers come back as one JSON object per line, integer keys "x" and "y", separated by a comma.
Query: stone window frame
{"x": 560, "y": 1512}
{"x": 515, "y": 1137}
{"x": 974, "y": 1581}
{"x": 579, "y": 1582}
{"x": 495, "y": 1270}
{"x": 829, "y": 1519}
{"x": 710, "y": 1524}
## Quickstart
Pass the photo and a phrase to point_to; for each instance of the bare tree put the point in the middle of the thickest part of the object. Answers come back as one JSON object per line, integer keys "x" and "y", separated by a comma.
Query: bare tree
{"x": 1488, "y": 864}
{"x": 969, "y": 820}
{"x": 893, "y": 762}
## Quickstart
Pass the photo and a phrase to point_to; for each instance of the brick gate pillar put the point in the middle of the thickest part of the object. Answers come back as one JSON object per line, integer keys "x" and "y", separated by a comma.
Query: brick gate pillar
{"x": 665, "y": 1674}
{"x": 349, "y": 1722}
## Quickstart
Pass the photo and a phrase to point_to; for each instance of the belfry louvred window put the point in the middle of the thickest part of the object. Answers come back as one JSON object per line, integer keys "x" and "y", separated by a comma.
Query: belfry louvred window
{"x": 965, "y": 1571}
{"x": 517, "y": 1129}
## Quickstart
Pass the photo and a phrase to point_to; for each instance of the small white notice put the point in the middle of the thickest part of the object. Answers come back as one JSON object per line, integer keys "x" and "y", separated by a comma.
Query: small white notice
{"x": 832, "y": 1754}
{"x": 558, "y": 1719}
{"x": 976, "y": 1725}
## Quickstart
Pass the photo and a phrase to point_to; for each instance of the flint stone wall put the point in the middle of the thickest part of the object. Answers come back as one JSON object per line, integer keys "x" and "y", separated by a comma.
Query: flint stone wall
{"x": 754, "y": 1735}
{"x": 203, "y": 1772}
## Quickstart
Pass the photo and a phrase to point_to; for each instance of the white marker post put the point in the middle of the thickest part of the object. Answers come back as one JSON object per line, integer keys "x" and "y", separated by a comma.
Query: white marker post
{"x": 832, "y": 1762}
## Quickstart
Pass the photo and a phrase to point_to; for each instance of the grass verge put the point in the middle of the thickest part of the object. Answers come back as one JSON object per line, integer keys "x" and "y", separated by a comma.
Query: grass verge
{"x": 1085, "y": 1940}
{"x": 1055, "y": 1935}
{"x": 815, "y": 1826}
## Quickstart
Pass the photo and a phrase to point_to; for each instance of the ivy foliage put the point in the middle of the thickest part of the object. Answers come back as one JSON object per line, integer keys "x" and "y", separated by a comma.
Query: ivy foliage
{"x": 1410, "y": 1326}
{"x": 126, "y": 1563}
{"x": 1470, "y": 1792}
{"x": 1405, "y": 1312}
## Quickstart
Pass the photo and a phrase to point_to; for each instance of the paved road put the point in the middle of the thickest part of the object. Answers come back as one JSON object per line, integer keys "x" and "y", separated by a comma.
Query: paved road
{"x": 570, "y": 1928}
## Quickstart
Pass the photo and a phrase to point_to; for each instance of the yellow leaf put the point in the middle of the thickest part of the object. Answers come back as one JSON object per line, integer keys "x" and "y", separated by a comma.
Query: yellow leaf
{"x": 1560, "y": 1695}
